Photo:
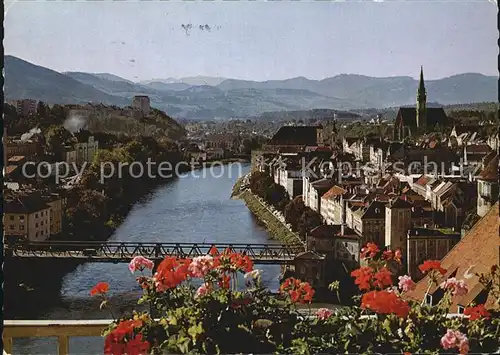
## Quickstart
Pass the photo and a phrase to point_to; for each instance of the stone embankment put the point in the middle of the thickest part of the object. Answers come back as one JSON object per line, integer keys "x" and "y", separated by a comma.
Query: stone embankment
{"x": 267, "y": 214}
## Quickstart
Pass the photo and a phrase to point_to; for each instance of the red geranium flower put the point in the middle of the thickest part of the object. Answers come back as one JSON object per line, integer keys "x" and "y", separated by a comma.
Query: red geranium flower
{"x": 299, "y": 292}
{"x": 477, "y": 312}
{"x": 171, "y": 272}
{"x": 369, "y": 251}
{"x": 388, "y": 255}
{"x": 430, "y": 265}
{"x": 385, "y": 302}
{"x": 100, "y": 288}
{"x": 383, "y": 278}
{"x": 121, "y": 340}
{"x": 363, "y": 277}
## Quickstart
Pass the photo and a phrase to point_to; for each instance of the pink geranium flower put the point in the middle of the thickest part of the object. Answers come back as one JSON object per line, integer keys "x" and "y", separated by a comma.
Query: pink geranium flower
{"x": 457, "y": 287}
{"x": 324, "y": 313}
{"x": 406, "y": 283}
{"x": 201, "y": 265}
{"x": 455, "y": 339}
{"x": 202, "y": 290}
{"x": 140, "y": 263}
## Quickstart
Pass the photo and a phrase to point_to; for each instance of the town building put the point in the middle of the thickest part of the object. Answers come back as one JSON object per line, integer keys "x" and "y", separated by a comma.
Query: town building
{"x": 26, "y": 218}
{"x": 333, "y": 206}
{"x": 310, "y": 267}
{"x": 426, "y": 244}
{"x": 298, "y": 136}
{"x": 474, "y": 254}
{"x": 487, "y": 187}
{"x": 142, "y": 103}
{"x": 336, "y": 242}
{"x": 397, "y": 223}
{"x": 214, "y": 153}
{"x": 26, "y": 107}
{"x": 85, "y": 147}
{"x": 411, "y": 121}
{"x": 18, "y": 147}
{"x": 368, "y": 221}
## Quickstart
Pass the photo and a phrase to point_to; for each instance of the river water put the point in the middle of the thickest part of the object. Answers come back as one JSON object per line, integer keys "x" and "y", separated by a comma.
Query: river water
{"x": 194, "y": 208}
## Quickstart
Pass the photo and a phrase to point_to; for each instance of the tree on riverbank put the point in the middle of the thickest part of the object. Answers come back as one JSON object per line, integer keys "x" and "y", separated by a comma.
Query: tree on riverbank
{"x": 264, "y": 186}
{"x": 302, "y": 218}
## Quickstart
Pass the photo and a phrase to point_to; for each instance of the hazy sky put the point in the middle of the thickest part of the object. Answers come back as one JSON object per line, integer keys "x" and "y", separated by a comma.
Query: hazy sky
{"x": 256, "y": 40}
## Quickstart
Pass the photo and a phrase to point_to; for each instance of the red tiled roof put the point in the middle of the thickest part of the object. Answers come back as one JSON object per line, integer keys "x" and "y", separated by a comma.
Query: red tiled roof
{"x": 477, "y": 250}
{"x": 9, "y": 169}
{"x": 16, "y": 158}
{"x": 333, "y": 192}
{"x": 422, "y": 181}
{"x": 490, "y": 172}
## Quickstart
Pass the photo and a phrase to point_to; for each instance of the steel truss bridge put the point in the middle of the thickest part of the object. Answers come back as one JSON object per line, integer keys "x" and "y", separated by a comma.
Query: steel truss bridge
{"x": 116, "y": 252}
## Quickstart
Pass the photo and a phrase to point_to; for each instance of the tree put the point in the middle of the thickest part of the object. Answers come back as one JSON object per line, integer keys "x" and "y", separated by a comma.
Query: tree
{"x": 309, "y": 220}
{"x": 56, "y": 138}
{"x": 87, "y": 212}
{"x": 293, "y": 211}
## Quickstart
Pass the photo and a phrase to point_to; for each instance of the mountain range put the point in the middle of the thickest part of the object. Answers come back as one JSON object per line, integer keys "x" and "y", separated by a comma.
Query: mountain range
{"x": 210, "y": 97}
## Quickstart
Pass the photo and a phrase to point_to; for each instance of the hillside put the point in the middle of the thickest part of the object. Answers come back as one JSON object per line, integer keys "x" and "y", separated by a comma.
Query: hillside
{"x": 211, "y": 97}
{"x": 26, "y": 80}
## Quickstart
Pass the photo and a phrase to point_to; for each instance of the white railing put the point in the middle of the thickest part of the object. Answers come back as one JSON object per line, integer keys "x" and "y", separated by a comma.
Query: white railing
{"x": 64, "y": 329}
{"x": 60, "y": 329}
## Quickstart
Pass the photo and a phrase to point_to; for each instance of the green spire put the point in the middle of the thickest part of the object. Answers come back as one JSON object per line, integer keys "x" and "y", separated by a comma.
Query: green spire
{"x": 421, "y": 86}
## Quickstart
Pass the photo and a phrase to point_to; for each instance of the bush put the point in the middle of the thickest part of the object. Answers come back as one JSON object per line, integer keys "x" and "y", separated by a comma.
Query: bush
{"x": 217, "y": 316}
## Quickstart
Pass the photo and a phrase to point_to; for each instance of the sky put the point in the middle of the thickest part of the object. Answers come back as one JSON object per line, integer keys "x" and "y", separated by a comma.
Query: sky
{"x": 141, "y": 40}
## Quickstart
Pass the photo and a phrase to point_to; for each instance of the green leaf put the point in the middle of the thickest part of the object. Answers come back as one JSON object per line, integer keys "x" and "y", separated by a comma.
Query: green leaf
{"x": 387, "y": 326}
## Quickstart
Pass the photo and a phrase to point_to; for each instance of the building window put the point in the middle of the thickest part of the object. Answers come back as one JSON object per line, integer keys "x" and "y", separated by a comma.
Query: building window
{"x": 41, "y": 223}
{"x": 36, "y": 215}
{"x": 11, "y": 218}
{"x": 36, "y": 234}
{"x": 460, "y": 309}
{"x": 12, "y": 226}
{"x": 21, "y": 218}
{"x": 36, "y": 225}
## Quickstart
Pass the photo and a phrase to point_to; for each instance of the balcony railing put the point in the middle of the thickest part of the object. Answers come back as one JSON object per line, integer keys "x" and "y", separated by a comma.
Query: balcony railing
{"x": 60, "y": 329}
{"x": 64, "y": 329}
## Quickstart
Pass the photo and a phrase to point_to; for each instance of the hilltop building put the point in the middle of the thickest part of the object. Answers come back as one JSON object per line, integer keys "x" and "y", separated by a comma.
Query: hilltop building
{"x": 142, "y": 103}
{"x": 411, "y": 121}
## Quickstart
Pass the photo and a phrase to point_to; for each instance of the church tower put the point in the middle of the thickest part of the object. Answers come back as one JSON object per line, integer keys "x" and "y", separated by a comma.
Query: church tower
{"x": 421, "y": 116}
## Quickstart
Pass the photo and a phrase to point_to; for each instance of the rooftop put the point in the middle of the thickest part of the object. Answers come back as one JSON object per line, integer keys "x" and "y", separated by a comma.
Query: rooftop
{"x": 475, "y": 253}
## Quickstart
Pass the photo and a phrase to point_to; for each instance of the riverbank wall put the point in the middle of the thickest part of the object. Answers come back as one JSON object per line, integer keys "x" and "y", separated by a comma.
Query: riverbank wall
{"x": 271, "y": 218}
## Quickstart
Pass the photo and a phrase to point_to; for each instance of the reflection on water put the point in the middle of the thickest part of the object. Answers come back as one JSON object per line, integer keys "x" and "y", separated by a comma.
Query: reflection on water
{"x": 187, "y": 210}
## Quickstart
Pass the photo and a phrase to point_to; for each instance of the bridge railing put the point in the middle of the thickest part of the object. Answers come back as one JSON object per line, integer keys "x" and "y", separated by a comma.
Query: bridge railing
{"x": 114, "y": 250}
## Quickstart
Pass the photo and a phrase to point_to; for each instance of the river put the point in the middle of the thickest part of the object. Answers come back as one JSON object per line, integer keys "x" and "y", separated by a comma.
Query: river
{"x": 193, "y": 208}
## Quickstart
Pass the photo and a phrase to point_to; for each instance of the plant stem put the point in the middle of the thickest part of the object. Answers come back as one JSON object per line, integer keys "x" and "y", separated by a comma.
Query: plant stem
{"x": 426, "y": 292}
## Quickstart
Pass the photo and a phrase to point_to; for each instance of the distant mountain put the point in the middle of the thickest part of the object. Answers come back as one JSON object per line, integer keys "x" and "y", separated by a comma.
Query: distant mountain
{"x": 111, "y": 77}
{"x": 26, "y": 80}
{"x": 384, "y": 92}
{"x": 110, "y": 85}
{"x": 202, "y": 80}
{"x": 159, "y": 85}
{"x": 190, "y": 80}
{"x": 209, "y": 97}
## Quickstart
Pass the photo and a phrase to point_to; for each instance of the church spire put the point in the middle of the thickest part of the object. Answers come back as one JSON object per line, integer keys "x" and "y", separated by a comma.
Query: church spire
{"x": 421, "y": 85}
{"x": 421, "y": 116}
